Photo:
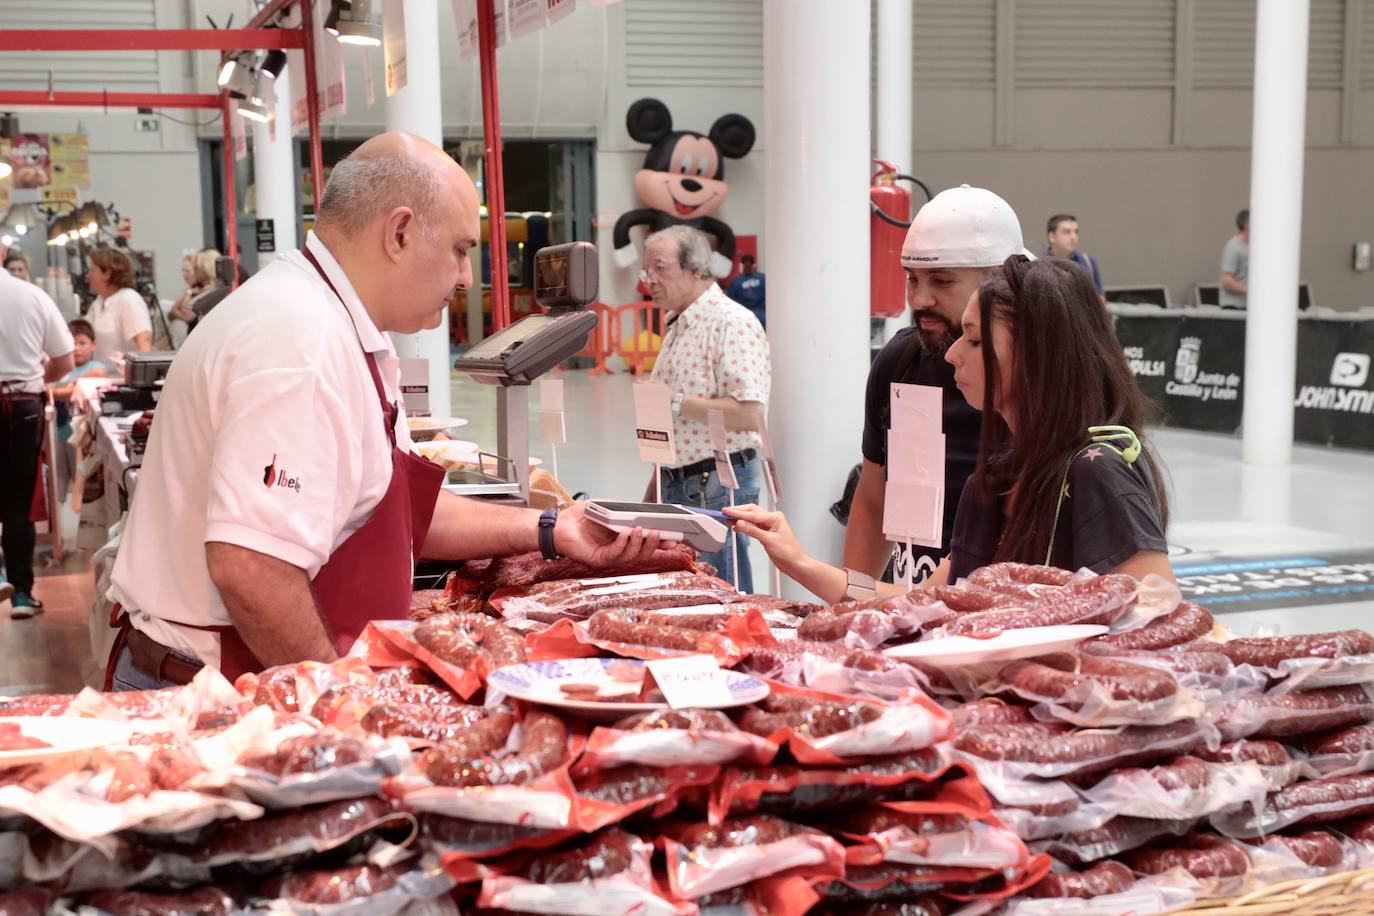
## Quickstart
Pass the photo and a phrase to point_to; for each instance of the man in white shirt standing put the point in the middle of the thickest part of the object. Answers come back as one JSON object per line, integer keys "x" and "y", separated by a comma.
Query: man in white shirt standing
{"x": 1235, "y": 266}
{"x": 30, "y": 327}
{"x": 280, "y": 507}
{"x": 714, "y": 357}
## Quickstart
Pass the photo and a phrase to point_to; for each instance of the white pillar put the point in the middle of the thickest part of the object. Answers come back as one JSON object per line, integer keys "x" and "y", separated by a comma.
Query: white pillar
{"x": 1276, "y": 162}
{"x": 416, "y": 109}
{"x": 274, "y": 173}
{"x": 893, "y": 140}
{"x": 815, "y": 136}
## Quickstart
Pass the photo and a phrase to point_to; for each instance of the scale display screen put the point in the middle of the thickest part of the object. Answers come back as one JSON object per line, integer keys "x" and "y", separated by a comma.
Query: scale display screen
{"x": 551, "y": 275}
{"x": 498, "y": 343}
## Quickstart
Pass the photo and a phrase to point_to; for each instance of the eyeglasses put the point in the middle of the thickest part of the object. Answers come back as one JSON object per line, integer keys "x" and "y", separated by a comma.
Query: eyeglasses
{"x": 652, "y": 272}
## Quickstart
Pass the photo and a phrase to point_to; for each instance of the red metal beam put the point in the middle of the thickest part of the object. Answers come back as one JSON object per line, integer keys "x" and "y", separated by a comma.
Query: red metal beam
{"x": 495, "y": 181}
{"x": 43, "y": 99}
{"x": 149, "y": 39}
{"x": 231, "y": 204}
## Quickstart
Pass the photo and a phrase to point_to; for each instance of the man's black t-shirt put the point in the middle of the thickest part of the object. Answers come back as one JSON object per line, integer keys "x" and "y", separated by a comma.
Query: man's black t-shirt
{"x": 904, "y": 360}
{"x": 1109, "y": 515}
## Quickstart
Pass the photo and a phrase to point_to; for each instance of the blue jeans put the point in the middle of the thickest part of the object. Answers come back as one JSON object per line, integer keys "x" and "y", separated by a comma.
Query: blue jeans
{"x": 127, "y": 677}
{"x": 705, "y": 490}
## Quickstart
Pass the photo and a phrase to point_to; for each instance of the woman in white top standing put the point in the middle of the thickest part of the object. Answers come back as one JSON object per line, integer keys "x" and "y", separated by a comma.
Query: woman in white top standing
{"x": 119, "y": 314}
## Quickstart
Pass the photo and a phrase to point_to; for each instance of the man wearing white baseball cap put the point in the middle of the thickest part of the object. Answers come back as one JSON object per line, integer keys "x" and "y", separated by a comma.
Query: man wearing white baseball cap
{"x": 958, "y": 236}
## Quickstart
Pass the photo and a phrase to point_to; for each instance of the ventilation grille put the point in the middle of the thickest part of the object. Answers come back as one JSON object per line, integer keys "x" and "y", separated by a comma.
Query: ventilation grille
{"x": 706, "y": 43}
{"x": 1087, "y": 43}
{"x": 123, "y": 71}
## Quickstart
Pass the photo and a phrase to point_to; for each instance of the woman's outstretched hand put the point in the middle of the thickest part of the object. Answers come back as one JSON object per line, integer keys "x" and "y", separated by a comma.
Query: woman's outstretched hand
{"x": 772, "y": 531}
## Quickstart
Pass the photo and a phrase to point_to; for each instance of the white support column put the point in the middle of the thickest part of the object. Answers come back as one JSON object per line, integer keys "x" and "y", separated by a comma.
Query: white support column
{"x": 274, "y": 173}
{"x": 817, "y": 253}
{"x": 893, "y": 141}
{"x": 416, "y": 109}
{"x": 1276, "y": 163}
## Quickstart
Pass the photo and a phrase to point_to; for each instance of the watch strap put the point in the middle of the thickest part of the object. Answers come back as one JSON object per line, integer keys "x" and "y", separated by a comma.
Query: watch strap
{"x": 860, "y": 586}
{"x": 548, "y": 519}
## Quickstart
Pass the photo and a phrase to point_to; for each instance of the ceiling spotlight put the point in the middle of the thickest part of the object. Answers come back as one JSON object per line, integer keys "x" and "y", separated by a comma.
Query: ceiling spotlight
{"x": 331, "y": 21}
{"x": 361, "y": 23}
{"x": 253, "y": 110}
{"x": 5, "y": 169}
{"x": 273, "y": 64}
{"x": 7, "y": 239}
{"x": 236, "y": 75}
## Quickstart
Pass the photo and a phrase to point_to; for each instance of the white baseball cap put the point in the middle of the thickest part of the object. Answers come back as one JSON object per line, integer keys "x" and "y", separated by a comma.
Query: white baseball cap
{"x": 963, "y": 227}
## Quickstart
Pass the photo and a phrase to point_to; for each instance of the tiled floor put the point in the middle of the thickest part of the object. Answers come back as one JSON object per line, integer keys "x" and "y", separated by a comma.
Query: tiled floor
{"x": 1323, "y": 503}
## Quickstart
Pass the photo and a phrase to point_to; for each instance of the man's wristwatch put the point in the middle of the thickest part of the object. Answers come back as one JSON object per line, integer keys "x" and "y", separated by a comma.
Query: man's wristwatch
{"x": 860, "y": 587}
{"x": 548, "y": 519}
{"x": 677, "y": 403}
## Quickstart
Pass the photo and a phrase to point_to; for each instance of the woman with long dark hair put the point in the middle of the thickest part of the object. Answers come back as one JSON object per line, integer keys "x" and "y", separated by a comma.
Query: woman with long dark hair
{"x": 1063, "y": 477}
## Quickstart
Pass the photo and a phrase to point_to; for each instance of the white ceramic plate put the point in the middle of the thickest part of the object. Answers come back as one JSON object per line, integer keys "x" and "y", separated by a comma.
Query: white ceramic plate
{"x": 542, "y": 682}
{"x": 422, "y": 429}
{"x": 959, "y": 651}
{"x": 66, "y": 735}
{"x": 446, "y": 451}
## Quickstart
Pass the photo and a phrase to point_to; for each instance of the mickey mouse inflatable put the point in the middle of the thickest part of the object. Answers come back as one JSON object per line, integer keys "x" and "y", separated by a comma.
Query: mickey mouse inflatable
{"x": 683, "y": 179}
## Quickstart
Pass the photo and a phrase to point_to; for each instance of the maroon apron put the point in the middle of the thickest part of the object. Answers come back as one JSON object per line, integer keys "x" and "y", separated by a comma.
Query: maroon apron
{"x": 369, "y": 576}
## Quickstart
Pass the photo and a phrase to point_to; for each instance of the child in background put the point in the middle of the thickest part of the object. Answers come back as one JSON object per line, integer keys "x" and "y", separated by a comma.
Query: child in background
{"x": 86, "y": 365}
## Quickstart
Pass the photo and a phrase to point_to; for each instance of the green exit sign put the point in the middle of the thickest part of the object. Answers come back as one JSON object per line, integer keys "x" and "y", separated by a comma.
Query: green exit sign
{"x": 147, "y": 124}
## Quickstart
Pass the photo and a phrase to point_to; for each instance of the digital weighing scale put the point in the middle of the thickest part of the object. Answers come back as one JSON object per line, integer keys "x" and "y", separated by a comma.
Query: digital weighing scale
{"x": 704, "y": 529}
{"x": 565, "y": 282}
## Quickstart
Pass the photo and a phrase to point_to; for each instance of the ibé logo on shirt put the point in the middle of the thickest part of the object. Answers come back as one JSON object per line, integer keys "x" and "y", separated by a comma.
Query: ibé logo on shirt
{"x": 272, "y": 476}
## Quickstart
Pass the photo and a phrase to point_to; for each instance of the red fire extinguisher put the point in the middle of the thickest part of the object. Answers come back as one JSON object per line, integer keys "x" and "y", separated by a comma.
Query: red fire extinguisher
{"x": 891, "y": 206}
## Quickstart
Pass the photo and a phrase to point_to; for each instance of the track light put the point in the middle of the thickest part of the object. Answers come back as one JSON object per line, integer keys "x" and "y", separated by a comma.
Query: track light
{"x": 361, "y": 23}
{"x": 331, "y": 21}
{"x": 21, "y": 229}
{"x": 236, "y": 75}
{"x": 273, "y": 64}
{"x": 252, "y": 109}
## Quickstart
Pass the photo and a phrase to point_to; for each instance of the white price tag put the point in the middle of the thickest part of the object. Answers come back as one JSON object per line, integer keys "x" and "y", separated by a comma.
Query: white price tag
{"x": 415, "y": 386}
{"x": 914, "y": 496}
{"x": 725, "y": 469}
{"x": 552, "y": 424}
{"x": 690, "y": 680}
{"x": 394, "y": 45}
{"x": 654, "y": 423}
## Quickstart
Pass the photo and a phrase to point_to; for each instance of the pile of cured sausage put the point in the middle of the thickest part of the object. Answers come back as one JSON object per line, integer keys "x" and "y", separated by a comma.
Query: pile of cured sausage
{"x": 1143, "y": 770}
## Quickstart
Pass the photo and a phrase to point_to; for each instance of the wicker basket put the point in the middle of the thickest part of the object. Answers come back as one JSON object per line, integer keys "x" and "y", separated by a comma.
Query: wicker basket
{"x": 1349, "y": 893}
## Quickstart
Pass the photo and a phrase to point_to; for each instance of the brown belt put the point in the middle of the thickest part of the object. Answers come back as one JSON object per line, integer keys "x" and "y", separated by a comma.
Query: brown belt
{"x": 155, "y": 660}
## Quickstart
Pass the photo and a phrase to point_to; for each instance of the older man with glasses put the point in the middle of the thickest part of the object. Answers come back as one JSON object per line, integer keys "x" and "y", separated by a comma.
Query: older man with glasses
{"x": 714, "y": 357}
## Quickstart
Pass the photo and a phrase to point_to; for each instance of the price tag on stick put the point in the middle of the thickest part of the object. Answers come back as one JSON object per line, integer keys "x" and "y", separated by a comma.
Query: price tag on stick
{"x": 654, "y": 423}
{"x": 771, "y": 479}
{"x": 690, "y": 680}
{"x": 725, "y": 468}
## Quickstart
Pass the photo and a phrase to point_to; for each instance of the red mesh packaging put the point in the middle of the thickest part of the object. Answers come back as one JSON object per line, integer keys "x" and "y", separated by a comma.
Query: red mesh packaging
{"x": 869, "y": 624}
{"x": 1019, "y": 752}
{"x": 675, "y": 737}
{"x": 1111, "y": 839}
{"x": 824, "y": 728}
{"x": 1299, "y": 713}
{"x": 608, "y": 872}
{"x": 796, "y": 790}
{"x": 703, "y": 859}
{"x": 605, "y": 797}
{"x": 504, "y": 771}
{"x": 461, "y": 648}
{"x": 626, "y": 632}
{"x": 1317, "y": 801}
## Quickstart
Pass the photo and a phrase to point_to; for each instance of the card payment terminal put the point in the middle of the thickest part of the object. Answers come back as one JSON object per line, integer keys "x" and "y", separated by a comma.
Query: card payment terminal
{"x": 704, "y": 529}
